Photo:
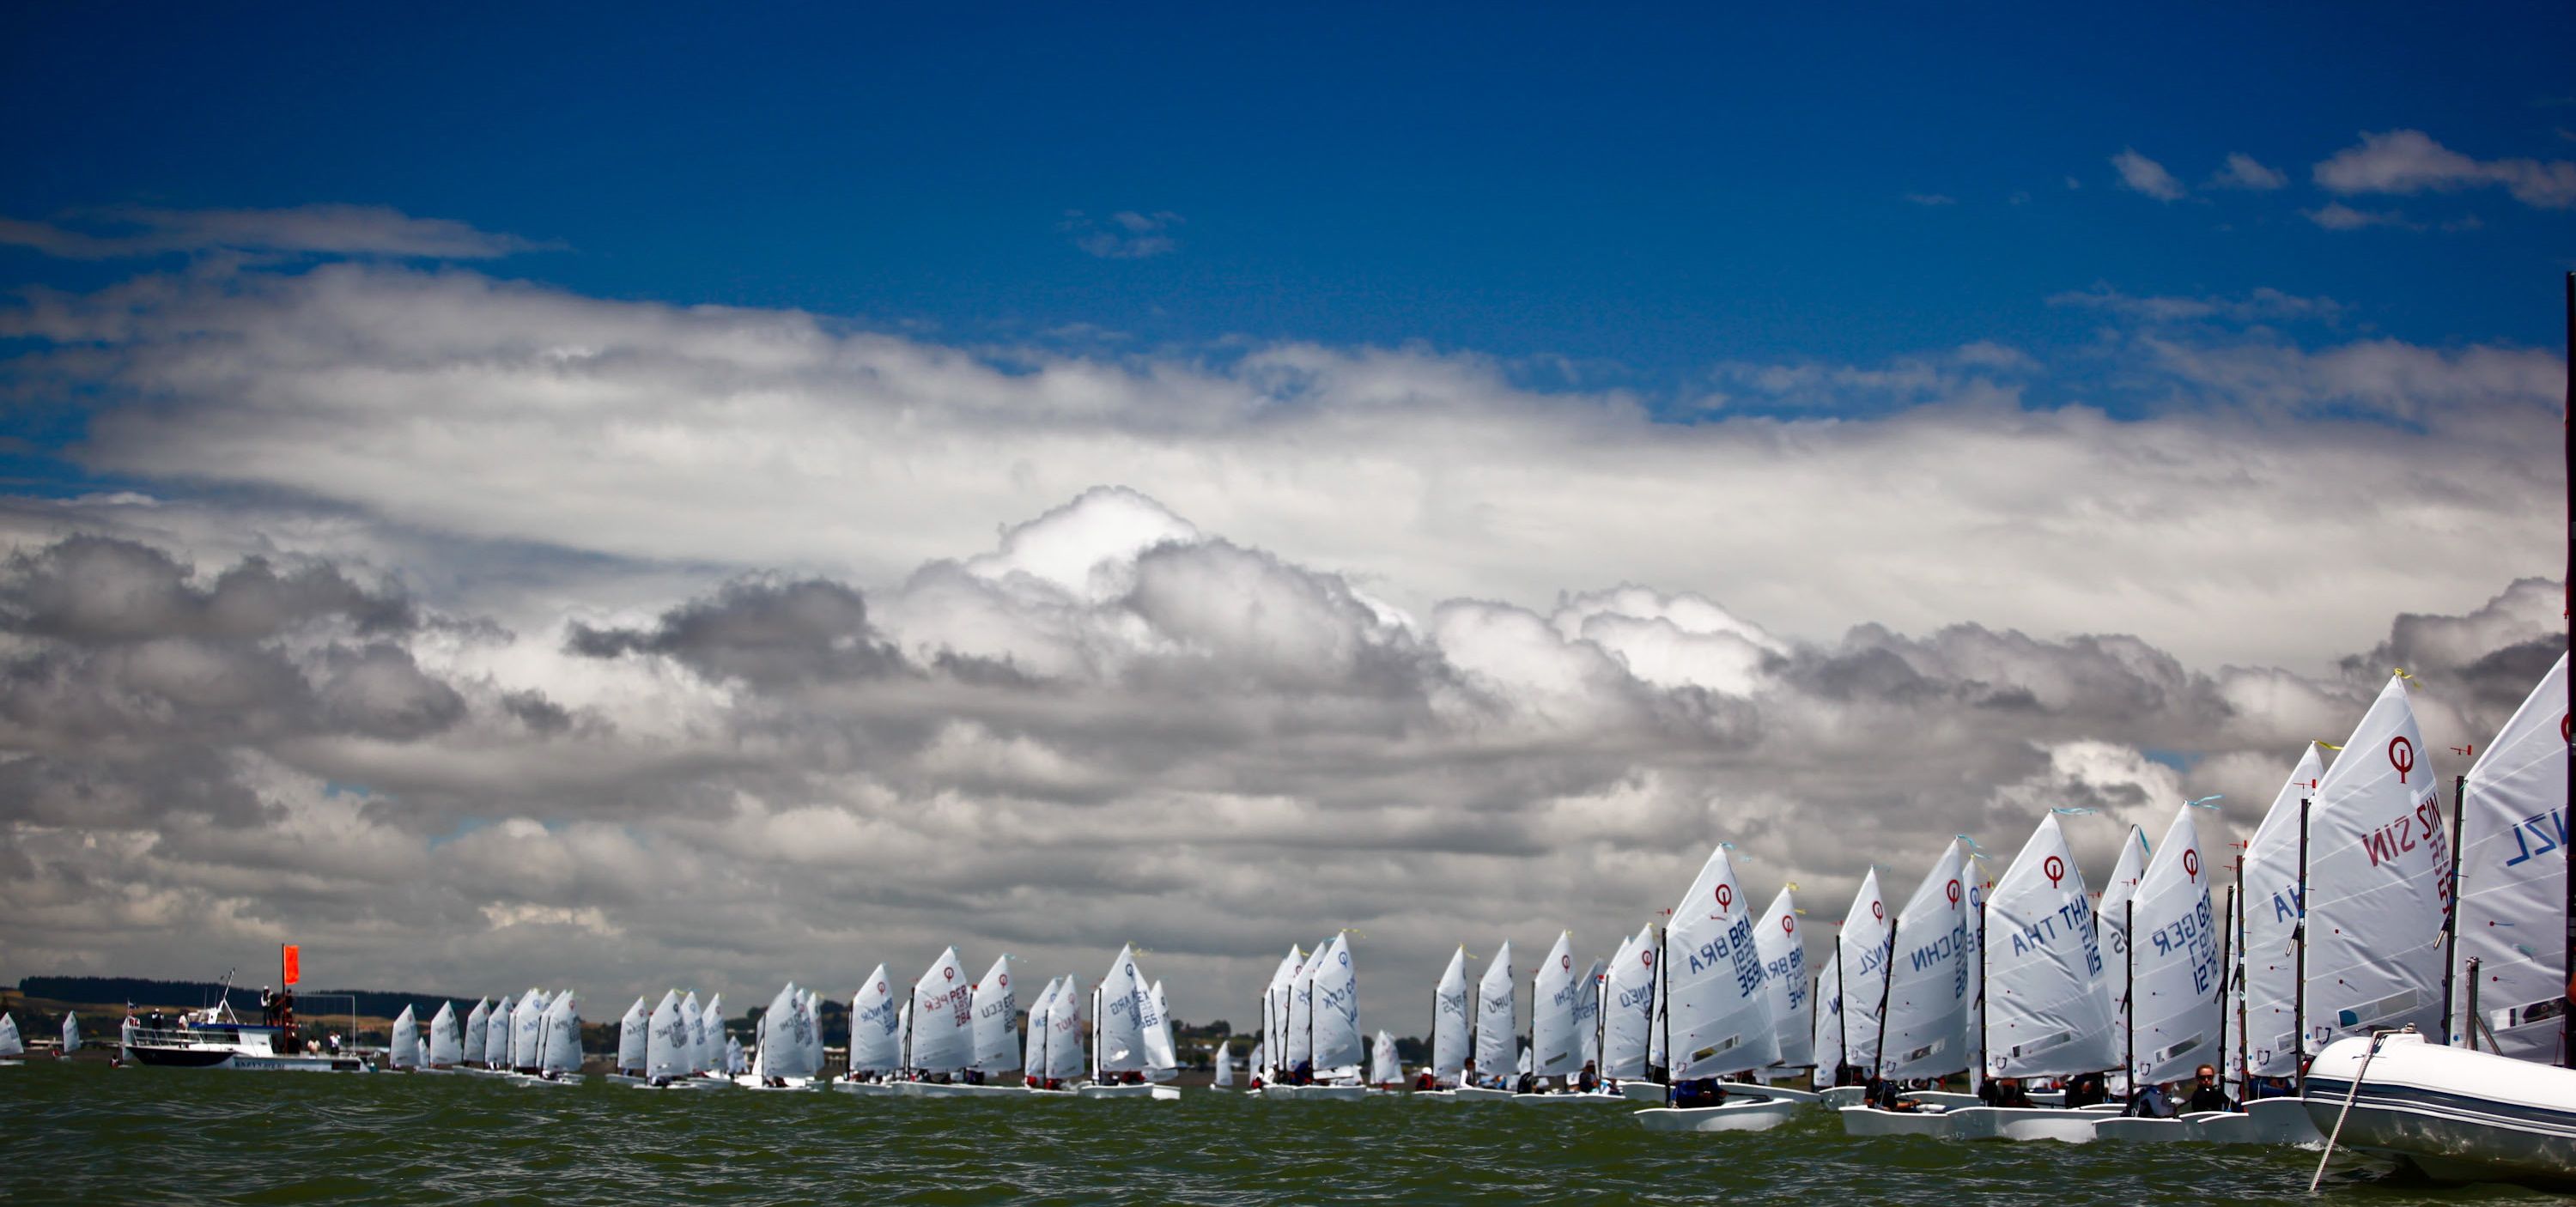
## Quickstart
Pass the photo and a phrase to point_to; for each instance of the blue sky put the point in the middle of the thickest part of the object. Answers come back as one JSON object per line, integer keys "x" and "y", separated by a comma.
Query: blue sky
{"x": 1644, "y": 193}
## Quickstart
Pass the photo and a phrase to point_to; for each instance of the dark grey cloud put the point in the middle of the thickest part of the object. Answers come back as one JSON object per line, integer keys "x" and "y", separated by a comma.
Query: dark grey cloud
{"x": 764, "y": 634}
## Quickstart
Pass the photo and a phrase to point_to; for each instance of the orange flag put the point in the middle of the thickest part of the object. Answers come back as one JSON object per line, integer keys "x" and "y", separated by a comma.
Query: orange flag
{"x": 291, "y": 967}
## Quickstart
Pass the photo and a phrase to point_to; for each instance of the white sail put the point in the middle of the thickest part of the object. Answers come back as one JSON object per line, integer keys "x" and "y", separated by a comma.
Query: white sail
{"x": 786, "y": 1049}
{"x": 1033, "y": 1056}
{"x": 903, "y": 1030}
{"x": 2111, "y": 921}
{"x": 2513, "y": 882}
{"x": 943, "y": 1017}
{"x": 1715, "y": 1002}
{"x": 2379, "y": 882}
{"x": 528, "y": 1030}
{"x": 2048, "y": 1008}
{"x": 1118, "y": 1033}
{"x": 1978, "y": 877}
{"x": 71, "y": 1033}
{"x": 667, "y": 1044}
{"x": 997, "y": 1020}
{"x": 1338, "y": 1045}
{"x": 1301, "y": 1011}
{"x": 1628, "y": 1007}
{"x": 1274, "y": 1013}
{"x": 1161, "y": 1058}
{"x": 873, "y": 1011}
{"x": 708, "y": 1056}
{"x": 2273, "y": 899}
{"x": 496, "y": 1040}
{"x": 1259, "y": 1060}
{"x": 1224, "y": 1063}
{"x": 693, "y": 1035}
{"x": 1928, "y": 987}
{"x": 2174, "y": 996}
{"x": 1064, "y": 1032}
{"x": 478, "y": 1030}
{"x": 1497, "y": 1014}
{"x": 404, "y": 1050}
{"x": 1553, "y": 990}
{"x": 1587, "y": 1015}
{"x": 11, "y": 1043}
{"x": 1829, "y": 1023}
{"x": 733, "y": 1059}
{"x": 1784, "y": 975}
{"x": 445, "y": 1049}
{"x": 1384, "y": 1067}
{"x": 811, "y": 1006}
{"x": 634, "y": 1034}
{"x": 1450, "y": 1025}
{"x": 1863, "y": 950}
{"x": 562, "y": 1043}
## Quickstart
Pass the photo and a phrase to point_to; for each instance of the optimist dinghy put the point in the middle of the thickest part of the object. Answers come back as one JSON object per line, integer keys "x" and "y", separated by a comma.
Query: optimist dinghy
{"x": 1124, "y": 1008}
{"x": 1715, "y": 1004}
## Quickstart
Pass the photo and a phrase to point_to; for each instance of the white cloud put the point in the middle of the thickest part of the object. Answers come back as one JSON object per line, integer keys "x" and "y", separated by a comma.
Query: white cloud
{"x": 2245, "y": 172}
{"x": 324, "y": 229}
{"x": 1125, "y": 235}
{"x": 2410, "y": 161}
{"x": 2336, "y": 216}
{"x": 2143, "y": 175}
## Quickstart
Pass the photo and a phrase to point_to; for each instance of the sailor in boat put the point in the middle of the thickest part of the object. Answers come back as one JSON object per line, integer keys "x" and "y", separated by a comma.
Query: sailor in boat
{"x": 2151, "y": 1102}
{"x": 1589, "y": 1079}
{"x": 2086, "y": 1089}
{"x": 2005, "y": 1092}
{"x": 1882, "y": 1093}
{"x": 2206, "y": 1095}
{"x": 1699, "y": 1092}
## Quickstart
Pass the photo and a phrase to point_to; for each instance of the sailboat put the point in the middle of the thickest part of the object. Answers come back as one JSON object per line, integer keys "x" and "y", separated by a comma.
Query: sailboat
{"x": 1628, "y": 1019}
{"x": 1332, "y": 1048}
{"x": 1162, "y": 1059}
{"x": 876, "y": 1041}
{"x": 528, "y": 1032}
{"x": 1386, "y": 1069}
{"x": 558, "y": 1042}
{"x": 478, "y": 1029}
{"x": 71, "y": 1035}
{"x": 634, "y": 1041}
{"x": 1253, "y": 1064}
{"x": 1716, "y": 1010}
{"x": 1563, "y": 1006}
{"x": 1124, "y": 1014}
{"x": 943, "y": 1024}
{"x": 711, "y": 1040}
{"x": 2047, "y": 1009}
{"x": 2499, "y": 1103}
{"x": 11, "y": 1045}
{"x": 1272, "y": 1065}
{"x": 993, "y": 1042}
{"x": 1451, "y": 1027}
{"x": 446, "y": 1049}
{"x": 1860, "y": 967}
{"x": 496, "y": 1037}
{"x": 1064, "y": 1050}
{"x": 784, "y": 1058}
{"x": 1224, "y": 1078}
{"x": 402, "y": 1053}
{"x": 2110, "y": 927}
{"x": 1497, "y": 1026}
{"x": 1924, "y": 1031}
{"x": 670, "y": 1050}
{"x": 1793, "y": 1002}
{"x": 2272, "y": 887}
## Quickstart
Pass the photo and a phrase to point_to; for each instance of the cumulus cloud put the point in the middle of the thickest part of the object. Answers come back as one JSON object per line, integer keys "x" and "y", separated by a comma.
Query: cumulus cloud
{"x": 2140, "y": 174}
{"x": 2410, "y": 161}
{"x": 2336, "y": 216}
{"x": 616, "y": 644}
{"x": 329, "y": 229}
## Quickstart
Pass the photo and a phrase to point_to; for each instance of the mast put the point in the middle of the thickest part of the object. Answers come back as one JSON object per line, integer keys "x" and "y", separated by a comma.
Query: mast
{"x": 1984, "y": 1006}
{"x": 2129, "y": 993}
{"x": 1095, "y": 1037}
{"x": 1842, "y": 1009}
{"x": 2451, "y": 911}
{"x": 2226, "y": 947}
{"x": 2236, "y": 903}
{"x": 1663, "y": 992}
{"x": 2567, "y": 1022}
{"x": 2299, "y": 988}
{"x": 1886, "y": 984}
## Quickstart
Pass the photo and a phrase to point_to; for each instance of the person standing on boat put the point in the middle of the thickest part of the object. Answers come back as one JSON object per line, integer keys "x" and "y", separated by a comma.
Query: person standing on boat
{"x": 2205, "y": 1094}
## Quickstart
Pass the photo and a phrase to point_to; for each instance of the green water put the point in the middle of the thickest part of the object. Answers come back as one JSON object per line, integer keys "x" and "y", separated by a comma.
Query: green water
{"x": 88, "y": 1134}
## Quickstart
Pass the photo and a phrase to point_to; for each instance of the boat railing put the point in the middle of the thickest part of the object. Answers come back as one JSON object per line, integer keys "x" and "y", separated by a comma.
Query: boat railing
{"x": 225, "y": 1036}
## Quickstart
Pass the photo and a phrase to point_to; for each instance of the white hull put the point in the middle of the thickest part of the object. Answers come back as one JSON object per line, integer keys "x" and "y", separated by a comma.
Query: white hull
{"x": 2283, "y": 1121}
{"x": 1315, "y": 1093}
{"x": 932, "y": 1089}
{"x": 866, "y": 1089}
{"x": 2019, "y": 1123}
{"x": 1727, "y": 1117}
{"x": 2205, "y": 1127}
{"x": 1871, "y": 1121}
{"x": 1651, "y": 1093}
{"x": 2455, "y": 1114}
{"x": 1595, "y": 1099}
{"x": 561, "y": 1079}
{"x": 1469, "y": 1093}
{"x": 1776, "y": 1093}
{"x": 1842, "y": 1096}
{"x": 1163, "y": 1093}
